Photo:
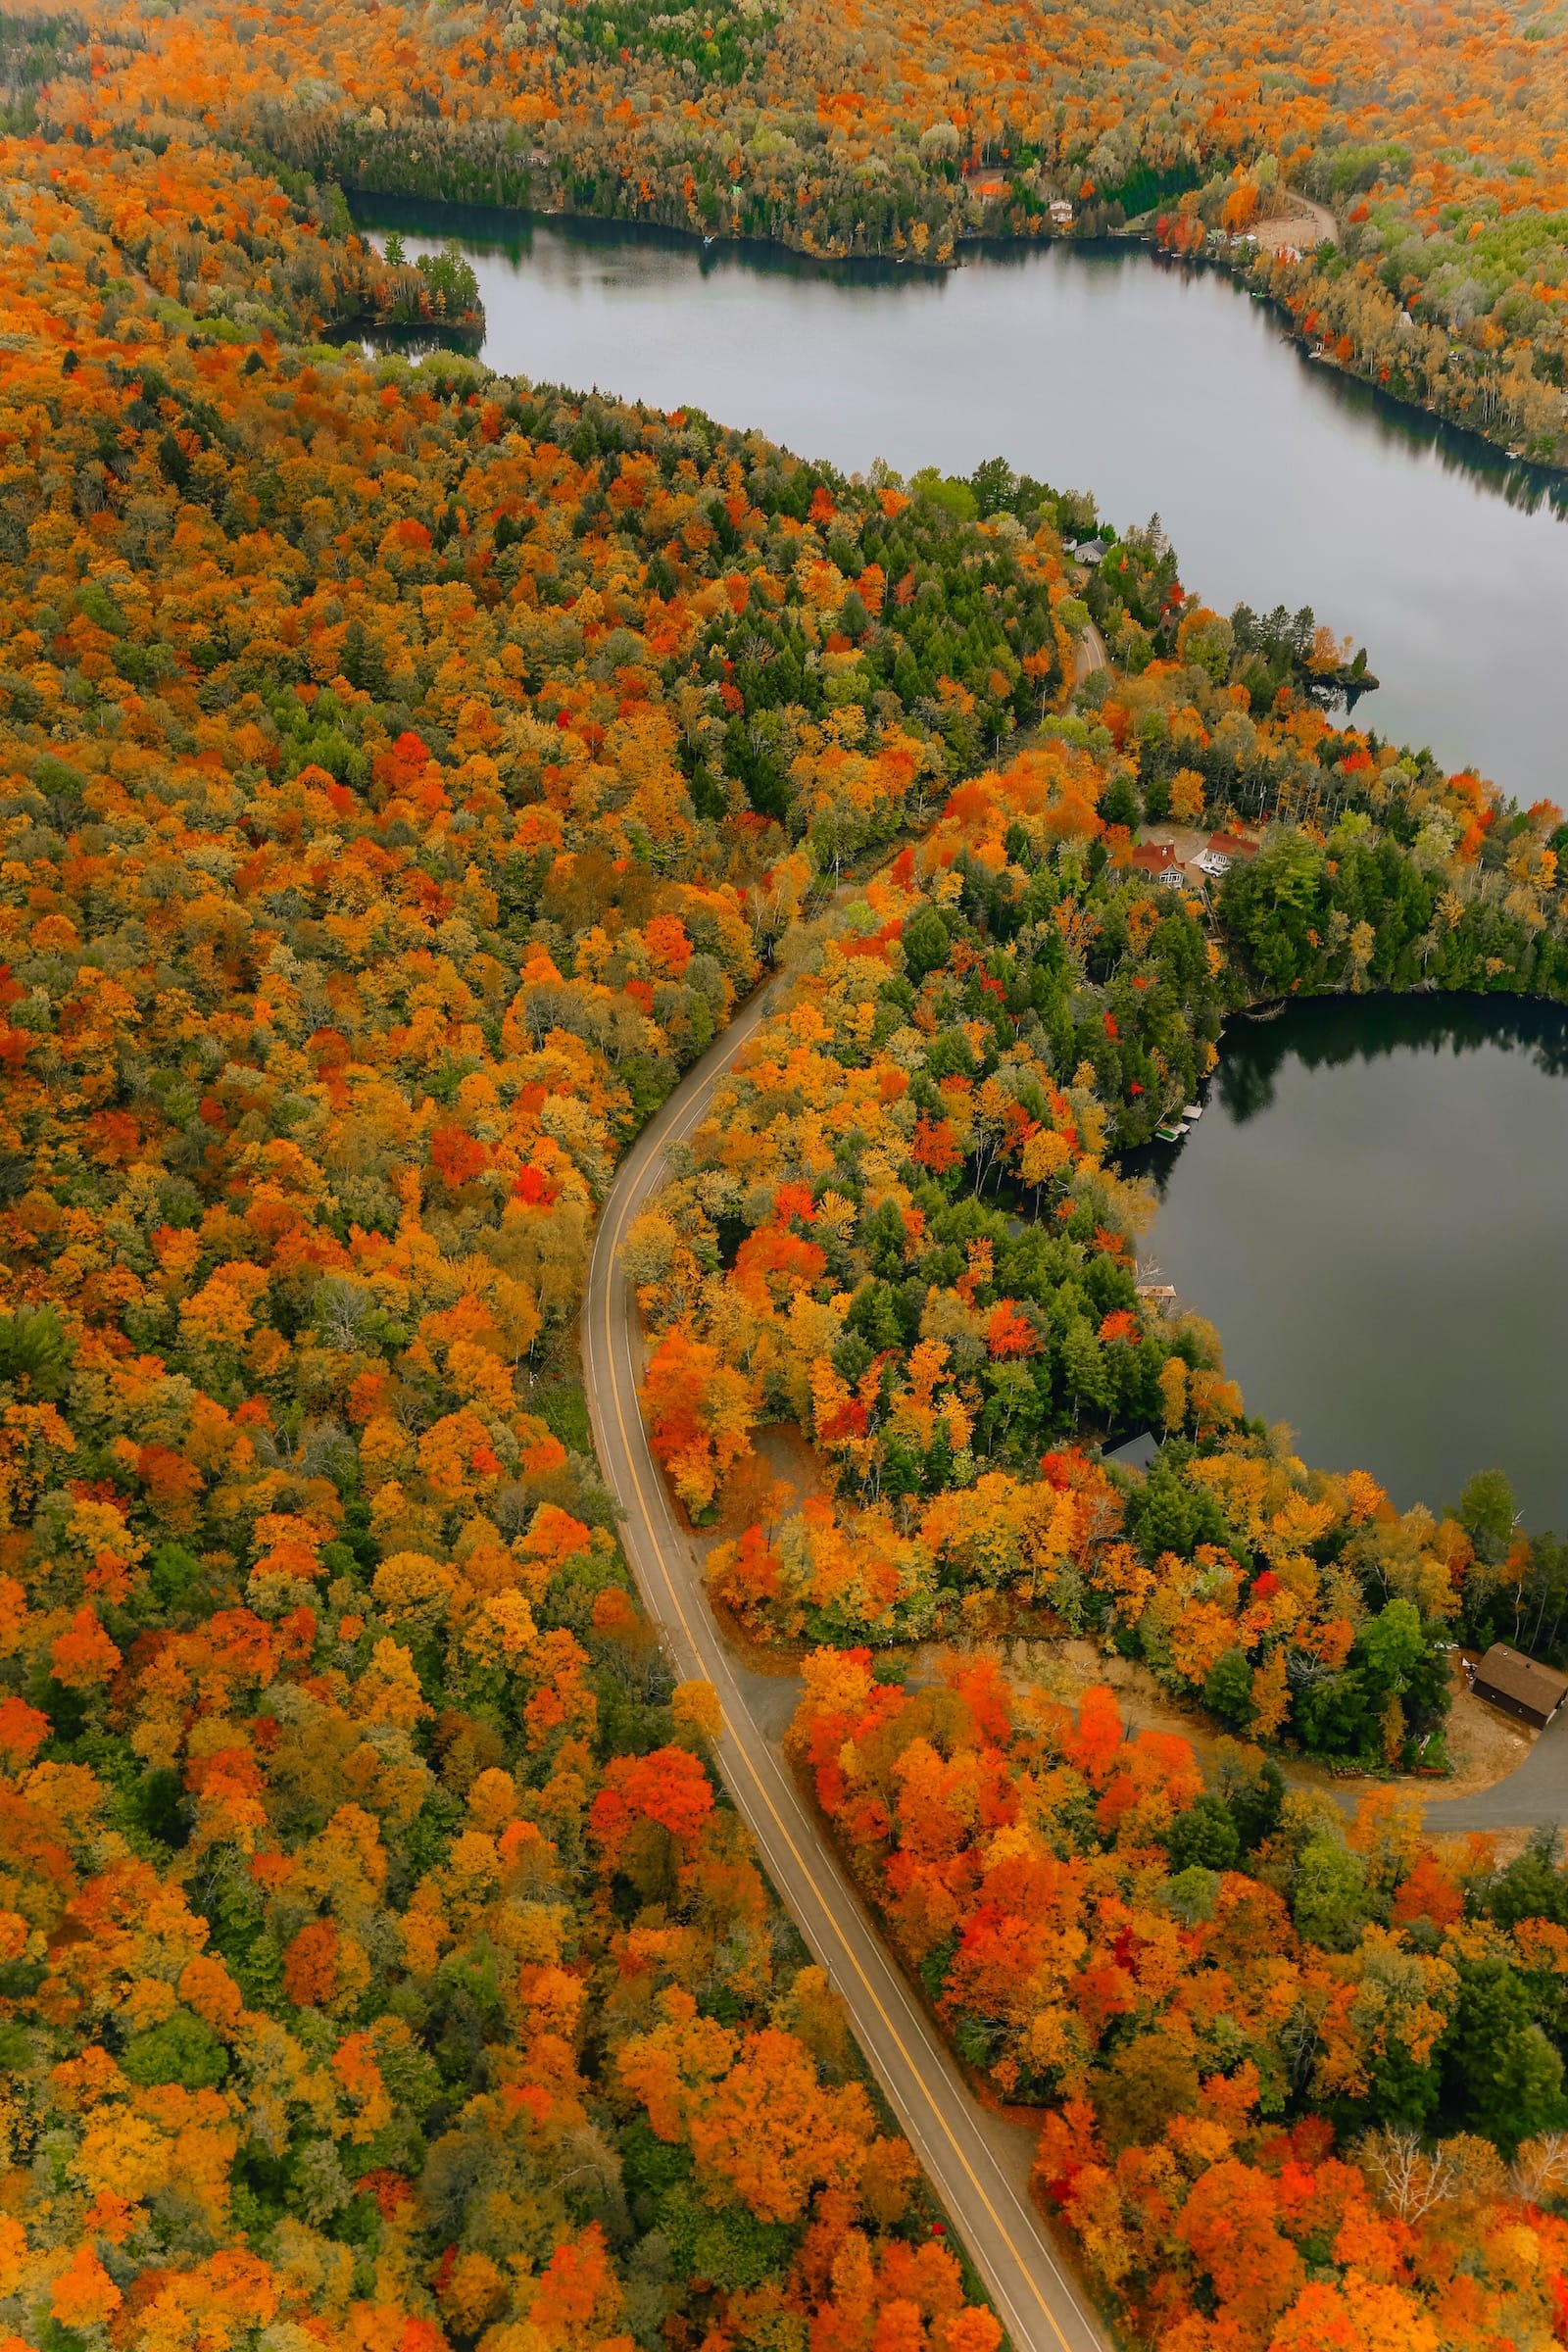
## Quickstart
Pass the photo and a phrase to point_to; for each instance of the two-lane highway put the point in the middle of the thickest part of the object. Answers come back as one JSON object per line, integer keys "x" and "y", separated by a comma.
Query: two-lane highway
{"x": 977, "y": 2162}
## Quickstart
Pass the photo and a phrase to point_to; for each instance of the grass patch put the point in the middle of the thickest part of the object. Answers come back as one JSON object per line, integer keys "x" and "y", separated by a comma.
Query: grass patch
{"x": 564, "y": 1408}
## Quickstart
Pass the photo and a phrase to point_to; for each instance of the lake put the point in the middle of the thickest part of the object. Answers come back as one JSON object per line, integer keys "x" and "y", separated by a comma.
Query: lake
{"x": 1386, "y": 1168}
{"x": 1371, "y": 1211}
{"x": 1157, "y": 387}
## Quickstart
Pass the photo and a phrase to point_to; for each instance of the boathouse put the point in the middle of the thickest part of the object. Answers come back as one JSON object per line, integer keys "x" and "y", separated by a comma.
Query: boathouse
{"x": 1520, "y": 1684}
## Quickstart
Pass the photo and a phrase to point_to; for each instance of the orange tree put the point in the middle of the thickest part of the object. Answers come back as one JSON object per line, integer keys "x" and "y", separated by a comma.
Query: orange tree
{"x": 1206, "y": 1985}
{"x": 901, "y": 1224}
{"x": 357, "y": 902}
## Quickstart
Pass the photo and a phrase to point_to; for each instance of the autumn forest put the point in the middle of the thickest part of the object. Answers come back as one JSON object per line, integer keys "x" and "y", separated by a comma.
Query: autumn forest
{"x": 1430, "y": 138}
{"x": 406, "y": 773}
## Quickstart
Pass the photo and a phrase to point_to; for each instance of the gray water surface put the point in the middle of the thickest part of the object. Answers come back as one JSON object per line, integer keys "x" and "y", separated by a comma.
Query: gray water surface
{"x": 1158, "y": 388}
{"x": 1371, "y": 1212}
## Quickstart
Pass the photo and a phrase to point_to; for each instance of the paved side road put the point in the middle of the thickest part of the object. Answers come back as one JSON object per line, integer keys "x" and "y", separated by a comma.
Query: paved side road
{"x": 1533, "y": 1796}
{"x": 978, "y": 2163}
{"x": 1089, "y": 655}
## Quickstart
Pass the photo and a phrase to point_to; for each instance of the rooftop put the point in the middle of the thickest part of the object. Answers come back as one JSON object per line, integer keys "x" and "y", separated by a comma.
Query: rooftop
{"x": 1540, "y": 1687}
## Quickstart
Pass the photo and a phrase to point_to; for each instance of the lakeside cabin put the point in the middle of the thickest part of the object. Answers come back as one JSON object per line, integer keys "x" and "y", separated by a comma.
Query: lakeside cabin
{"x": 1158, "y": 859}
{"x": 1520, "y": 1686}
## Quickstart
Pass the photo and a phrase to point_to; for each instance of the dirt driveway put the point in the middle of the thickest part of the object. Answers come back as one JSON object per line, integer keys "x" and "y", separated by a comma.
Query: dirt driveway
{"x": 1303, "y": 226}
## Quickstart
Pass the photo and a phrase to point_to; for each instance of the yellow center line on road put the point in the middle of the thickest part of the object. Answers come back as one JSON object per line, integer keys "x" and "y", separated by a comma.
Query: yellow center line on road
{"x": 613, "y": 1242}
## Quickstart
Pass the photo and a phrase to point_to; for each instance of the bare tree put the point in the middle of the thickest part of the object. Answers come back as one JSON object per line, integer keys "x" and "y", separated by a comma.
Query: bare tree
{"x": 1408, "y": 2180}
{"x": 1541, "y": 2167}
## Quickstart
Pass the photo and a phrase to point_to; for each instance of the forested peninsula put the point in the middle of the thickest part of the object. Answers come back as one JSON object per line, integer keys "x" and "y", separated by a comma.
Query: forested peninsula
{"x": 405, "y": 772}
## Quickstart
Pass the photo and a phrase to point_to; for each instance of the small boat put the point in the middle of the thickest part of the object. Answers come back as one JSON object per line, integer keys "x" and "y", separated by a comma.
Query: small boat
{"x": 1170, "y": 1135}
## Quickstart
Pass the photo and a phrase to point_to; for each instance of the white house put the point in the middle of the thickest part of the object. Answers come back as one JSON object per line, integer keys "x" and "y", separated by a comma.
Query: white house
{"x": 1221, "y": 853}
{"x": 1159, "y": 859}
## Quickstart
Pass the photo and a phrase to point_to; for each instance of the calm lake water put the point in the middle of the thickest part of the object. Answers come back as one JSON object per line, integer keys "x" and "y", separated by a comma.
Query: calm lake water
{"x": 1389, "y": 1168}
{"x": 1386, "y": 1169}
{"x": 1101, "y": 368}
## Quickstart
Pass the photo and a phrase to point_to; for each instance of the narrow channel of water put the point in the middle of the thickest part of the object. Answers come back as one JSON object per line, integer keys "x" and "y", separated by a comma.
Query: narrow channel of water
{"x": 1157, "y": 387}
{"x": 1371, "y": 1212}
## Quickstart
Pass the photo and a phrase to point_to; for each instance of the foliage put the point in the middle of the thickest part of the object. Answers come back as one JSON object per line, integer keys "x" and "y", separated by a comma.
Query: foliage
{"x": 402, "y": 772}
{"x": 362, "y": 1871}
{"x": 899, "y": 1226}
{"x": 1199, "y": 2006}
{"x": 1429, "y": 138}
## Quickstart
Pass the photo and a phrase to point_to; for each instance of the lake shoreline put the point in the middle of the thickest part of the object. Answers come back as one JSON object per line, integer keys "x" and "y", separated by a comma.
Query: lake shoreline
{"x": 1485, "y": 454}
{"x": 509, "y": 225}
{"x": 1141, "y": 388}
{"x": 1380, "y": 1164}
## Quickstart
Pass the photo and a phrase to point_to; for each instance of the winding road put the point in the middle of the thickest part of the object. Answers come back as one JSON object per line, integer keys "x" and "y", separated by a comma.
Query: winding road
{"x": 977, "y": 2162}
{"x": 1088, "y": 654}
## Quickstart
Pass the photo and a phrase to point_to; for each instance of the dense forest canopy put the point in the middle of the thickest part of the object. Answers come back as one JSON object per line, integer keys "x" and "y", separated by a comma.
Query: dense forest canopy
{"x": 378, "y": 1962}
{"x": 1302, "y": 2078}
{"x": 403, "y": 771}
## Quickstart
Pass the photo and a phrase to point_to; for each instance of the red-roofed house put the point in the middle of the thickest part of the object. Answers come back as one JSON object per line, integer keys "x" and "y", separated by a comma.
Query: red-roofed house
{"x": 1158, "y": 857}
{"x": 1223, "y": 852}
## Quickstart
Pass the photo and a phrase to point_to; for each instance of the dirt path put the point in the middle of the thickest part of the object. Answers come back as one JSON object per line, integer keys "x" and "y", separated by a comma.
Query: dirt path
{"x": 1089, "y": 655}
{"x": 1303, "y": 226}
{"x": 1505, "y": 1777}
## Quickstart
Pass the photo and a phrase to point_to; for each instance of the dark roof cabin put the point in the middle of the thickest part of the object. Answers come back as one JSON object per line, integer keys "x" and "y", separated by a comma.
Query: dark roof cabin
{"x": 1532, "y": 1692}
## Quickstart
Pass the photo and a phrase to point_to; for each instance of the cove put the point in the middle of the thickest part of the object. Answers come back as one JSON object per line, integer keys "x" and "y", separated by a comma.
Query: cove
{"x": 1371, "y": 1212}
{"x": 1099, "y": 367}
